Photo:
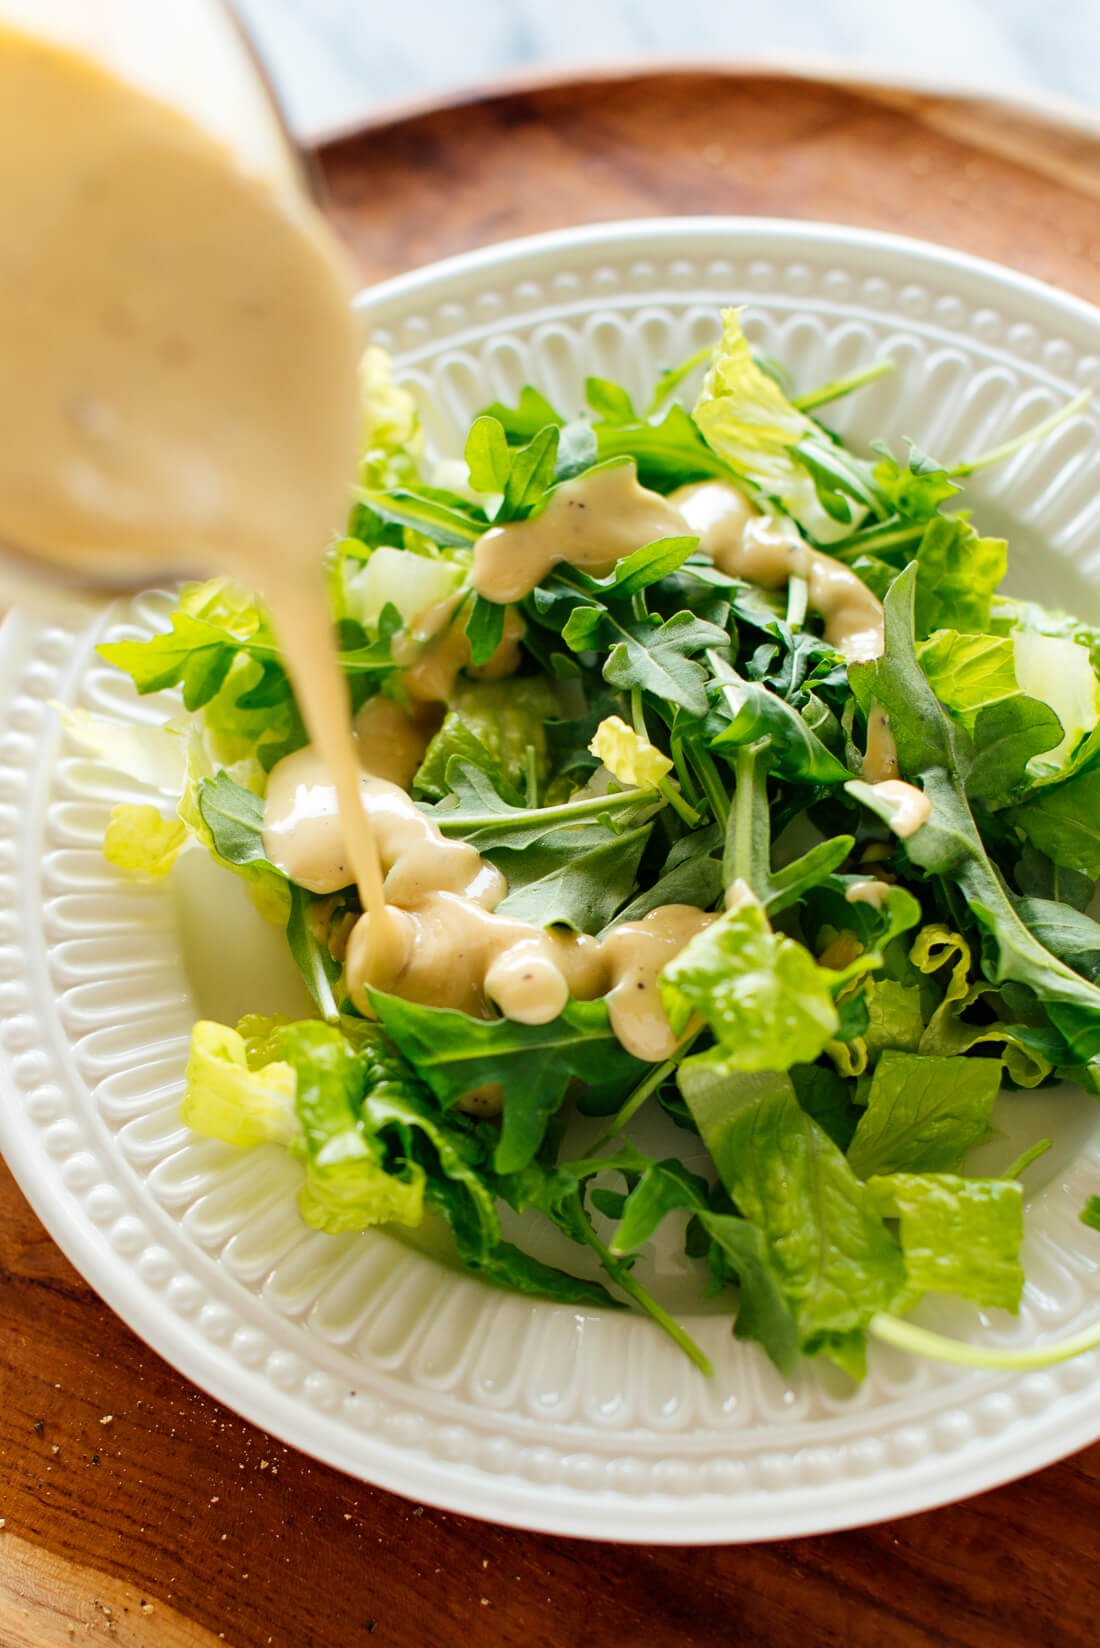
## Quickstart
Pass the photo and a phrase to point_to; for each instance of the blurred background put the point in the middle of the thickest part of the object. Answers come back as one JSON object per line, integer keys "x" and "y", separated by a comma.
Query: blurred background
{"x": 337, "y": 62}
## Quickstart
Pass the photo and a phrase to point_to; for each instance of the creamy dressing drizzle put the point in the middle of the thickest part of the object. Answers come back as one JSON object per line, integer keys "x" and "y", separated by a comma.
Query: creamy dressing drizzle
{"x": 181, "y": 393}
{"x": 868, "y": 892}
{"x": 909, "y": 807}
{"x": 590, "y": 523}
{"x": 881, "y": 759}
{"x": 593, "y": 521}
{"x": 180, "y": 386}
{"x": 766, "y": 550}
{"x": 443, "y": 942}
{"x": 437, "y": 648}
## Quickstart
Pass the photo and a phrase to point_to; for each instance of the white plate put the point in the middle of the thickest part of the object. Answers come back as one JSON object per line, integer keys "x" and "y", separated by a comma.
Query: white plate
{"x": 367, "y": 1353}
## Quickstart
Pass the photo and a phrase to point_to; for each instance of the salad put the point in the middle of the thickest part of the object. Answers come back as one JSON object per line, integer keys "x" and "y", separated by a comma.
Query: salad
{"x": 790, "y": 810}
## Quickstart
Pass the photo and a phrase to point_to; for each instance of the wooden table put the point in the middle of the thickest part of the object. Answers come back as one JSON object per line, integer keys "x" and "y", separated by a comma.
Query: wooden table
{"x": 137, "y": 1511}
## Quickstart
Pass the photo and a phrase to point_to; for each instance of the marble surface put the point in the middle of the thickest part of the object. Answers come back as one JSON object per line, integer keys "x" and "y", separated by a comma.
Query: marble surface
{"x": 337, "y": 61}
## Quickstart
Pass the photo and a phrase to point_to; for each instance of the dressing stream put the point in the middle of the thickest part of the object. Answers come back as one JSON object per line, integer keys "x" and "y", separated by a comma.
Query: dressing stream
{"x": 181, "y": 395}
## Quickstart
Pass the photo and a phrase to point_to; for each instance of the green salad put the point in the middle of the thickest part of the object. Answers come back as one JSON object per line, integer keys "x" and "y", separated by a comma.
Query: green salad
{"x": 866, "y": 979}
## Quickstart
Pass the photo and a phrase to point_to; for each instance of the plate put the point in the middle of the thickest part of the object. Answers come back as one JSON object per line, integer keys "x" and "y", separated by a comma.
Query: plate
{"x": 371, "y": 1354}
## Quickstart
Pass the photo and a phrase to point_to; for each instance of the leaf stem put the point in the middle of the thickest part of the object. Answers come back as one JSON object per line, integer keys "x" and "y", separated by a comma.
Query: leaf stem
{"x": 748, "y": 848}
{"x": 798, "y": 599}
{"x": 674, "y": 376}
{"x": 566, "y": 812}
{"x": 639, "y": 1094}
{"x": 668, "y": 789}
{"x": 877, "y": 537}
{"x": 842, "y": 386}
{"x": 531, "y": 777}
{"x": 713, "y": 788}
{"x": 1026, "y": 1157}
{"x": 620, "y": 1274}
{"x": 1037, "y": 432}
{"x": 683, "y": 769}
{"x": 923, "y": 1342}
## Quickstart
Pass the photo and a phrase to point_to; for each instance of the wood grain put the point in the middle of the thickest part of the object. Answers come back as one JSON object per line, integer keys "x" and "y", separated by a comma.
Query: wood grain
{"x": 1004, "y": 184}
{"x": 138, "y": 1511}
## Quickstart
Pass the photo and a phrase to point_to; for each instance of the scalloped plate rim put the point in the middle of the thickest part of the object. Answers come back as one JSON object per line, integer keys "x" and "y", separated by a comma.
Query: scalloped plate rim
{"x": 662, "y": 1518}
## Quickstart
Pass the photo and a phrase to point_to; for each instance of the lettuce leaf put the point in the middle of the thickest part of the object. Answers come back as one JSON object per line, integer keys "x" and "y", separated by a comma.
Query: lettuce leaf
{"x": 745, "y": 417}
{"x": 1059, "y": 673}
{"x": 152, "y": 755}
{"x": 923, "y": 1113}
{"x": 391, "y": 440}
{"x": 628, "y": 756}
{"x": 968, "y": 671}
{"x": 835, "y": 1262}
{"x": 950, "y": 844}
{"x": 347, "y": 1186}
{"x": 499, "y": 726}
{"x": 141, "y": 840}
{"x": 231, "y": 1097}
{"x": 768, "y": 1002}
{"x": 957, "y": 574}
{"x": 958, "y": 1235}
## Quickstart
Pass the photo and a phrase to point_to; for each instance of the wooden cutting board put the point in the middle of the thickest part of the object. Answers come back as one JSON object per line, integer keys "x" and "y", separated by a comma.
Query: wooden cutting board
{"x": 135, "y": 1510}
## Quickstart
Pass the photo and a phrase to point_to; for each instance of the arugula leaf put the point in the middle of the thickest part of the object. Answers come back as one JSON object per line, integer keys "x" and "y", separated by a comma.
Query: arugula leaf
{"x": 235, "y": 817}
{"x": 521, "y": 422}
{"x": 1066, "y": 932}
{"x": 1090, "y": 1213}
{"x": 563, "y": 882}
{"x": 691, "y": 875}
{"x": 440, "y": 522}
{"x": 923, "y": 1113}
{"x": 827, "y": 1098}
{"x": 530, "y": 474}
{"x": 478, "y": 814}
{"x": 1037, "y": 876}
{"x": 484, "y": 629}
{"x": 763, "y": 1313}
{"x": 319, "y": 969}
{"x": 194, "y": 654}
{"x": 755, "y": 713}
{"x": 786, "y": 886}
{"x": 643, "y": 567}
{"x": 667, "y": 454}
{"x": 1007, "y": 738}
{"x": 645, "y": 653}
{"x": 1063, "y": 821}
{"x": 958, "y": 1235}
{"x": 488, "y": 458}
{"x": 533, "y": 1063}
{"x": 950, "y": 845}
{"x": 609, "y": 401}
{"x": 840, "y": 480}
{"x": 663, "y": 1187}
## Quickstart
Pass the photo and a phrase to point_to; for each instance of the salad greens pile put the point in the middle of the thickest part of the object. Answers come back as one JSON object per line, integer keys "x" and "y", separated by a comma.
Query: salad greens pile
{"x": 676, "y": 735}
